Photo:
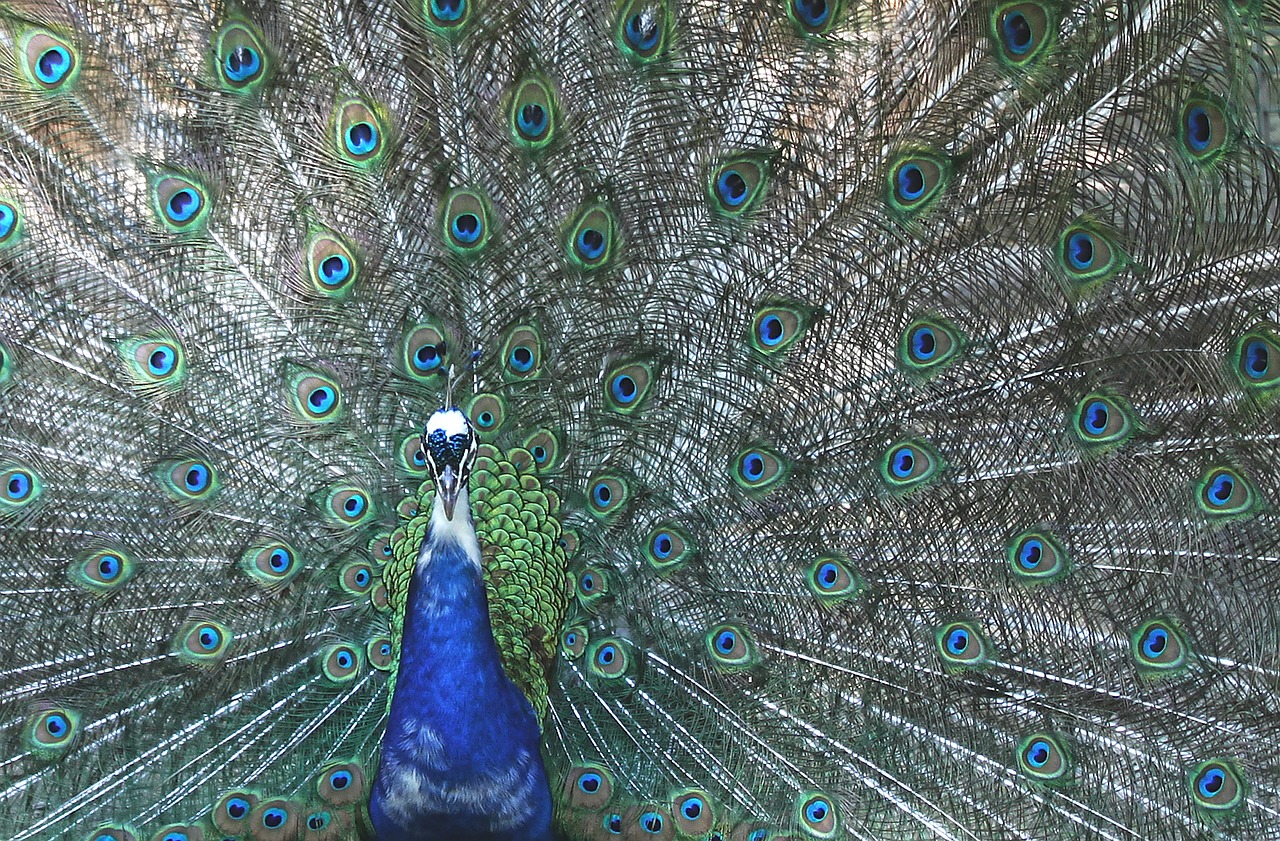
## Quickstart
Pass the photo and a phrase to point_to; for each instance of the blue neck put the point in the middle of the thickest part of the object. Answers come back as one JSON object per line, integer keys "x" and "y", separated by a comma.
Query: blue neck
{"x": 460, "y": 755}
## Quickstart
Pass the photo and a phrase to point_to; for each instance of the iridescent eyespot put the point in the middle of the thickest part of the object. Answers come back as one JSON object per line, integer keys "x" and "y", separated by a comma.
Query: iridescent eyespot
{"x": 1101, "y": 421}
{"x": 961, "y": 646}
{"x": 179, "y": 832}
{"x": 380, "y": 653}
{"x": 10, "y": 223}
{"x": 112, "y": 832}
{"x": 669, "y": 547}
{"x": 331, "y": 267}
{"x": 231, "y": 813}
{"x": 102, "y": 571}
{"x": 424, "y": 352}
{"x": 608, "y": 495}
{"x": 927, "y": 345}
{"x": 340, "y": 663}
{"x": 1043, "y": 758}
{"x": 909, "y": 465}
{"x": 627, "y": 386}
{"x": 612, "y": 824}
{"x": 532, "y": 114}
{"x": 693, "y": 812}
{"x": 813, "y": 17}
{"x": 242, "y": 61}
{"x": 21, "y": 487}
{"x": 153, "y": 365}
{"x": 50, "y": 733}
{"x": 641, "y": 30}
{"x": 522, "y": 356}
{"x": 180, "y": 202}
{"x": 1036, "y": 557}
{"x": 202, "y": 643}
{"x": 341, "y": 784}
{"x": 590, "y": 240}
{"x": 593, "y": 586}
{"x": 1021, "y": 31}
{"x": 609, "y": 658}
{"x": 1217, "y": 786}
{"x": 832, "y": 579}
{"x": 50, "y": 62}
{"x": 569, "y": 543}
{"x": 1088, "y": 256}
{"x": 776, "y": 327}
{"x": 466, "y": 221}
{"x": 759, "y": 469}
{"x": 574, "y": 641}
{"x": 915, "y": 182}
{"x": 545, "y": 449}
{"x": 652, "y": 823}
{"x": 1224, "y": 492}
{"x": 737, "y": 185}
{"x": 315, "y": 399}
{"x": 348, "y": 506}
{"x": 279, "y": 819}
{"x": 487, "y": 413}
{"x": 588, "y": 787}
{"x": 731, "y": 648}
{"x": 411, "y": 458}
{"x": 1204, "y": 129}
{"x": 446, "y": 16}
{"x": 817, "y": 815}
{"x": 190, "y": 482}
{"x": 358, "y": 133}
{"x": 1256, "y": 359}
{"x": 356, "y": 578}
{"x": 1158, "y": 647}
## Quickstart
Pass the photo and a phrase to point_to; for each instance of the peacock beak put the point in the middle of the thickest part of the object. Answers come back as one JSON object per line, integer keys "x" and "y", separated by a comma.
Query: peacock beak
{"x": 449, "y": 485}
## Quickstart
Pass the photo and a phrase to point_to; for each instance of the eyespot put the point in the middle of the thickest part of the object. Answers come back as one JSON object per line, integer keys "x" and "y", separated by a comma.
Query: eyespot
{"x": 730, "y": 647}
{"x": 627, "y": 386}
{"x": 1223, "y": 492}
{"x": 612, "y": 824}
{"x": 1159, "y": 648}
{"x": 545, "y": 449}
{"x": 487, "y": 413}
{"x": 693, "y": 813}
{"x": 102, "y": 571}
{"x": 50, "y": 733}
{"x": 588, "y": 787}
{"x": 532, "y": 115}
{"x": 424, "y": 352}
{"x": 813, "y": 17}
{"x": 181, "y": 203}
{"x": 379, "y": 597}
{"x": 915, "y": 182}
{"x": 961, "y": 646}
{"x": 112, "y": 832}
{"x": 1037, "y": 557}
{"x": 909, "y": 465}
{"x": 348, "y": 506}
{"x": 22, "y": 487}
{"x": 927, "y": 346}
{"x": 1256, "y": 360}
{"x": 315, "y": 398}
{"x": 179, "y": 832}
{"x": 466, "y": 222}
{"x": 832, "y": 579}
{"x": 10, "y": 223}
{"x": 358, "y": 133}
{"x": 332, "y": 268}
{"x": 446, "y": 17}
{"x": 590, "y": 242}
{"x": 231, "y": 813}
{"x": 380, "y": 548}
{"x": 410, "y": 458}
{"x": 1043, "y": 758}
{"x": 775, "y": 328}
{"x": 641, "y": 31}
{"x": 275, "y": 819}
{"x": 669, "y": 547}
{"x": 380, "y": 653}
{"x": 573, "y": 642}
{"x": 51, "y": 62}
{"x": 242, "y": 60}
{"x": 592, "y": 587}
{"x": 340, "y": 663}
{"x": 1217, "y": 786}
{"x": 1087, "y": 256}
{"x": 759, "y": 469}
{"x": 569, "y": 542}
{"x": 356, "y": 578}
{"x": 608, "y": 495}
{"x": 654, "y": 823}
{"x": 522, "y": 356}
{"x": 1101, "y": 421}
{"x": 341, "y": 784}
{"x": 608, "y": 658}
{"x": 817, "y": 815}
{"x": 190, "y": 482}
{"x": 737, "y": 185}
{"x": 1021, "y": 31}
{"x": 153, "y": 365}
{"x": 1204, "y": 129}
{"x": 202, "y": 643}
{"x": 270, "y": 565}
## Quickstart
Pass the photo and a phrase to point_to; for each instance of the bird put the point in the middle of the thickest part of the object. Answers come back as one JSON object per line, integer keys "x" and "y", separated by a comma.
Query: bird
{"x": 672, "y": 419}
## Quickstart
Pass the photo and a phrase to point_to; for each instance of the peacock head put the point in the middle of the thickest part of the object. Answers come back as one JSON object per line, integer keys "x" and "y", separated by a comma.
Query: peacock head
{"x": 449, "y": 444}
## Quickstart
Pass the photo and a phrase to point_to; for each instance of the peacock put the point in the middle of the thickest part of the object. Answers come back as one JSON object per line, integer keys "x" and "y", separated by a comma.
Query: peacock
{"x": 656, "y": 419}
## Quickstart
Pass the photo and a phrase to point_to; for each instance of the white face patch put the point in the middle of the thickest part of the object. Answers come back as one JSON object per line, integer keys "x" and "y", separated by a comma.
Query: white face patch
{"x": 450, "y": 421}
